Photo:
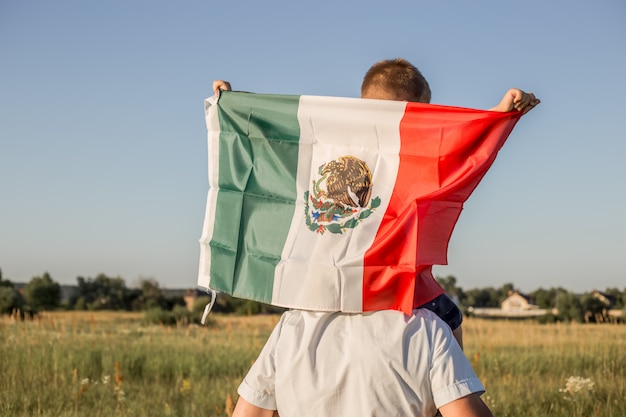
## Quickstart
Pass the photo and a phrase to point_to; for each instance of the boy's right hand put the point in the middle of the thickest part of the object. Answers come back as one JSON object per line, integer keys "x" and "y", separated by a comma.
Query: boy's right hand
{"x": 220, "y": 85}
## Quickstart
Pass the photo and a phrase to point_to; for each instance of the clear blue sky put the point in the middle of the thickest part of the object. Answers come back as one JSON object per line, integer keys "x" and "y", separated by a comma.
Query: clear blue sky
{"x": 103, "y": 143}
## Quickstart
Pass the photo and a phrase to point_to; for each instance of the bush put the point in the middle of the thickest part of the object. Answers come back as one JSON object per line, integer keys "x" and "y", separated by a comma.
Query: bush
{"x": 177, "y": 316}
{"x": 182, "y": 315}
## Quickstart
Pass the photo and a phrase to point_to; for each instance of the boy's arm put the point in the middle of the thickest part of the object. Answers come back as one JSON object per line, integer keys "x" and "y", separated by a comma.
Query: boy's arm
{"x": 468, "y": 406}
{"x": 516, "y": 99}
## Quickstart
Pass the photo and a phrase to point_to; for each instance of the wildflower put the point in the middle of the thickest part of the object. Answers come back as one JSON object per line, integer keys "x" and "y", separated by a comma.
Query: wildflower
{"x": 106, "y": 379}
{"x": 119, "y": 394}
{"x": 185, "y": 388}
{"x": 576, "y": 386}
{"x": 84, "y": 386}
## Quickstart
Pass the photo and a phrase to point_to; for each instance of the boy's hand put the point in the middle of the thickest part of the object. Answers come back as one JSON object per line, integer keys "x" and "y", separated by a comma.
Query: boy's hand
{"x": 516, "y": 99}
{"x": 220, "y": 85}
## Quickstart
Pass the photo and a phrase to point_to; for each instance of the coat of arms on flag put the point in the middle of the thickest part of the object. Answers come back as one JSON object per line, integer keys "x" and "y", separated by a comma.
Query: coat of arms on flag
{"x": 340, "y": 198}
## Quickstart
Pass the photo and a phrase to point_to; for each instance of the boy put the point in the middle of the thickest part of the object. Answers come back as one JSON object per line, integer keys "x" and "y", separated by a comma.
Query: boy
{"x": 397, "y": 79}
{"x": 310, "y": 364}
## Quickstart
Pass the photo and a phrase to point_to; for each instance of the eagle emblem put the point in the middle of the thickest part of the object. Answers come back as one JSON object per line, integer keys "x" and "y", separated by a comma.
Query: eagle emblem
{"x": 341, "y": 197}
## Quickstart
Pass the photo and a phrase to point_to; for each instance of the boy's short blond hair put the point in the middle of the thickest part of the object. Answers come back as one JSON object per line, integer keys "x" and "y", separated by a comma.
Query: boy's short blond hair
{"x": 395, "y": 79}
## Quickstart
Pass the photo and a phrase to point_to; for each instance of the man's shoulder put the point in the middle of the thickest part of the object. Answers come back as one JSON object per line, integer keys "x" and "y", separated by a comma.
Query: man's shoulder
{"x": 392, "y": 322}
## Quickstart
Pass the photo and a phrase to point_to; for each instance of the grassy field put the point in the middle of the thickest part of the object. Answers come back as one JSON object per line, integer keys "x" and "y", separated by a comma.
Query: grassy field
{"x": 110, "y": 364}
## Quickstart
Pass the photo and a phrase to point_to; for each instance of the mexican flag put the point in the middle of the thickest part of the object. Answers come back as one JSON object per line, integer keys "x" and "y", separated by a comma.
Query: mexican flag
{"x": 337, "y": 204}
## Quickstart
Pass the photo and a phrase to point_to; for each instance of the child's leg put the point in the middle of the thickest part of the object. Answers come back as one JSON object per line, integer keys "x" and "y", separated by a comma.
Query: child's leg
{"x": 448, "y": 311}
{"x": 458, "y": 335}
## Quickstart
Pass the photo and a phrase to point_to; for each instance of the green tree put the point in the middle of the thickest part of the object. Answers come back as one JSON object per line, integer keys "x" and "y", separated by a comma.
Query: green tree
{"x": 103, "y": 293}
{"x": 546, "y": 298}
{"x": 10, "y": 299}
{"x": 482, "y": 297}
{"x": 151, "y": 295}
{"x": 569, "y": 307}
{"x": 42, "y": 293}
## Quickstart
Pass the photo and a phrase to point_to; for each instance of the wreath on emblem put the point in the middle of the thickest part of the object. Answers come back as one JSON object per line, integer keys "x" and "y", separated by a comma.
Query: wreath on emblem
{"x": 340, "y": 197}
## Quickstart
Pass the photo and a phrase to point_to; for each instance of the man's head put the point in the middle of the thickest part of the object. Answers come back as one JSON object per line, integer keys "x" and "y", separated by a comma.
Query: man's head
{"x": 395, "y": 79}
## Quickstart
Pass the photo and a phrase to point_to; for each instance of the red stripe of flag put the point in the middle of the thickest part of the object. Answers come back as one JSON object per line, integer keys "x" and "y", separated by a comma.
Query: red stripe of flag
{"x": 444, "y": 153}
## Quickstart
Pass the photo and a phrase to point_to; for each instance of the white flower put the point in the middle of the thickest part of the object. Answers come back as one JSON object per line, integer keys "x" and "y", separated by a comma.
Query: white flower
{"x": 576, "y": 385}
{"x": 119, "y": 393}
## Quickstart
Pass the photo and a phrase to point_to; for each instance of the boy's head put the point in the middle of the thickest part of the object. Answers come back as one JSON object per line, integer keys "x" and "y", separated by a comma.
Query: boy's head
{"x": 395, "y": 79}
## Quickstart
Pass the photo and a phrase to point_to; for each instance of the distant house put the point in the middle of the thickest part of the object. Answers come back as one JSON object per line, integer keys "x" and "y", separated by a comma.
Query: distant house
{"x": 516, "y": 305}
{"x": 608, "y": 300}
{"x": 517, "y": 301}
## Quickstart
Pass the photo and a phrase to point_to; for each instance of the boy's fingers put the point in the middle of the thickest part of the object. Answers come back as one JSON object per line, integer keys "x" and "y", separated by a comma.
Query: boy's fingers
{"x": 220, "y": 85}
{"x": 531, "y": 106}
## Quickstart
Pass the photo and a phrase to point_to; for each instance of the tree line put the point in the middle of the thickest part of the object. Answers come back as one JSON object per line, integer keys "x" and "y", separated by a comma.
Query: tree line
{"x": 43, "y": 293}
{"x": 567, "y": 305}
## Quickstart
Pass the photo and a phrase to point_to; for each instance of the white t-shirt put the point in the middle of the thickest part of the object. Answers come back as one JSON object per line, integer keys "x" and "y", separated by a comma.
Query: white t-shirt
{"x": 382, "y": 363}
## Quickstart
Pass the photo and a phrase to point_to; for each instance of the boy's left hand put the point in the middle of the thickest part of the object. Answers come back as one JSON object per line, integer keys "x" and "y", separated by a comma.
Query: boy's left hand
{"x": 516, "y": 99}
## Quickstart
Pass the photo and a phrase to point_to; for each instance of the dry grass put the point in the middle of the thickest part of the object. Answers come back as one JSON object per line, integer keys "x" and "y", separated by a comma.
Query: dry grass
{"x": 525, "y": 366}
{"x": 110, "y": 364}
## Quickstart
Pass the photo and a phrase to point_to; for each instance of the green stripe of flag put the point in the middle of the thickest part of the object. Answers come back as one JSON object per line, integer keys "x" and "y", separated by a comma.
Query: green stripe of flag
{"x": 258, "y": 158}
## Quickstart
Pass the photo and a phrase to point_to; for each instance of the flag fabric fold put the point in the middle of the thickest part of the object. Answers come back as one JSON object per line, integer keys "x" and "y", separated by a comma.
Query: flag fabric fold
{"x": 337, "y": 204}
